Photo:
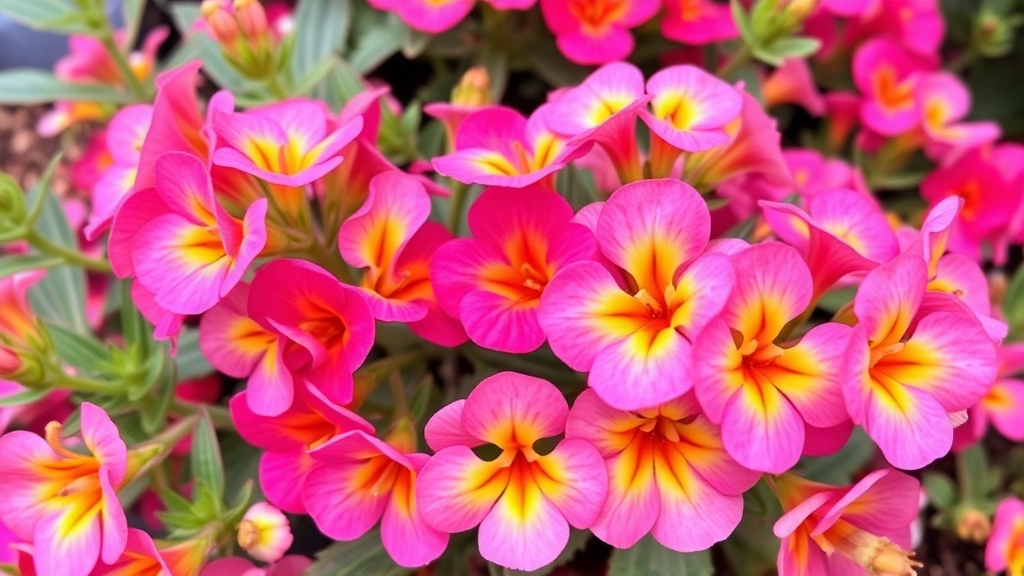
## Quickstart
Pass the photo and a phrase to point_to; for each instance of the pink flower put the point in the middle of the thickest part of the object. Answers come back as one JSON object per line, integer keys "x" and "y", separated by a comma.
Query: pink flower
{"x": 358, "y": 480}
{"x": 697, "y": 22}
{"x": 668, "y": 473}
{"x": 392, "y": 240}
{"x": 124, "y": 138}
{"x": 1005, "y": 547}
{"x": 523, "y": 502}
{"x": 766, "y": 395}
{"x": 916, "y": 24}
{"x": 908, "y": 367}
{"x": 631, "y": 321}
{"x": 596, "y": 31}
{"x": 142, "y": 556}
{"x": 1002, "y": 405}
{"x": 887, "y": 75}
{"x": 943, "y": 101}
{"x": 325, "y": 330}
{"x": 65, "y": 503}
{"x": 286, "y": 143}
{"x": 436, "y": 16}
{"x": 843, "y": 113}
{"x": 792, "y": 83}
{"x": 842, "y": 232}
{"x": 493, "y": 282}
{"x": 603, "y": 109}
{"x": 690, "y": 112}
{"x": 179, "y": 243}
{"x": 472, "y": 93}
{"x": 264, "y": 532}
{"x": 860, "y": 529}
{"x": 17, "y": 321}
{"x": 288, "y": 566}
{"x": 287, "y": 438}
{"x": 497, "y": 146}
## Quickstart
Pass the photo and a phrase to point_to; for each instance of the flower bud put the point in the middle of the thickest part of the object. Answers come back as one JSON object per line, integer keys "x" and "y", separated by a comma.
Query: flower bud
{"x": 994, "y": 33}
{"x": 252, "y": 18}
{"x": 10, "y": 363}
{"x": 474, "y": 89}
{"x": 221, "y": 22}
{"x": 402, "y": 436}
{"x": 12, "y": 206}
{"x": 973, "y": 526}
{"x": 796, "y": 11}
{"x": 23, "y": 366}
{"x": 265, "y": 533}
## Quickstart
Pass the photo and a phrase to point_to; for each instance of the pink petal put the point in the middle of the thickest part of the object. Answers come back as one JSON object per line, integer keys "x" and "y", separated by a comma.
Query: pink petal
{"x": 646, "y": 369}
{"x": 104, "y": 441}
{"x": 910, "y": 427}
{"x": 889, "y": 297}
{"x": 519, "y": 538}
{"x": 704, "y": 289}
{"x": 588, "y": 49}
{"x": 59, "y": 551}
{"x": 444, "y": 429}
{"x": 633, "y": 503}
{"x": 762, "y": 430}
{"x": 409, "y": 540}
{"x": 773, "y": 286}
{"x": 283, "y": 476}
{"x": 511, "y": 410}
{"x": 578, "y": 482}
{"x": 455, "y": 490}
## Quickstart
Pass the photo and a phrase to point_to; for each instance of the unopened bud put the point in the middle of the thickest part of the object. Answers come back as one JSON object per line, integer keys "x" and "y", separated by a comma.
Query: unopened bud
{"x": 265, "y": 533}
{"x": 10, "y": 363}
{"x": 252, "y": 18}
{"x": 973, "y": 526}
{"x": 402, "y": 436}
{"x": 220, "y": 21}
{"x": 474, "y": 89}
{"x": 796, "y": 11}
{"x": 994, "y": 33}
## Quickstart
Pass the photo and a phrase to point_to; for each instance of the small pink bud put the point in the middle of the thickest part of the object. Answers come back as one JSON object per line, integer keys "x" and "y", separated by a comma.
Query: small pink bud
{"x": 252, "y": 18}
{"x": 265, "y": 533}
{"x": 10, "y": 363}
{"x": 220, "y": 21}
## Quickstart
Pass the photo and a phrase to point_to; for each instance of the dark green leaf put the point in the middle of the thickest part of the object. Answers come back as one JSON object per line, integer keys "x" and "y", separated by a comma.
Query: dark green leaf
{"x": 207, "y": 464}
{"x": 362, "y": 557}
{"x": 24, "y": 86}
{"x": 53, "y": 15}
{"x": 840, "y": 467}
{"x": 940, "y": 488}
{"x": 134, "y": 327}
{"x": 1013, "y": 304}
{"x": 972, "y": 471}
{"x": 83, "y": 351}
{"x": 577, "y": 541}
{"x": 648, "y": 558}
{"x": 60, "y": 296}
{"x": 10, "y": 265}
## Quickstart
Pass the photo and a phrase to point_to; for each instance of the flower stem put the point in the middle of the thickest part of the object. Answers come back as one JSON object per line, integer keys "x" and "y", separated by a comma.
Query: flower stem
{"x": 456, "y": 206}
{"x": 219, "y": 415}
{"x": 137, "y": 90}
{"x": 734, "y": 63}
{"x": 70, "y": 255}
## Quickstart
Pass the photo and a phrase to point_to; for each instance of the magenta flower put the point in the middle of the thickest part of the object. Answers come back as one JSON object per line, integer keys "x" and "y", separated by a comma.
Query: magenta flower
{"x": 596, "y": 31}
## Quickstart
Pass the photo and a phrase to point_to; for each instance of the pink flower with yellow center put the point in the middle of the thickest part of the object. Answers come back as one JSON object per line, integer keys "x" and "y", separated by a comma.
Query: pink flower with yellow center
{"x": 841, "y": 232}
{"x": 522, "y": 501}
{"x": 497, "y": 146}
{"x": 179, "y": 243}
{"x": 690, "y": 112}
{"x": 596, "y": 31}
{"x": 887, "y": 76}
{"x": 630, "y": 321}
{"x": 944, "y": 101}
{"x": 293, "y": 565}
{"x": 668, "y": 473}
{"x": 909, "y": 365}
{"x": 769, "y": 397}
{"x": 1002, "y": 405}
{"x": 859, "y": 529}
{"x": 65, "y": 503}
{"x": 124, "y": 137}
{"x": 1005, "y": 547}
{"x": 286, "y": 143}
{"x": 697, "y": 22}
{"x": 436, "y": 16}
{"x": 287, "y": 438}
{"x": 493, "y": 282}
{"x": 358, "y": 480}
{"x": 603, "y": 109}
{"x": 17, "y": 322}
{"x": 144, "y": 557}
{"x": 325, "y": 330}
{"x": 392, "y": 240}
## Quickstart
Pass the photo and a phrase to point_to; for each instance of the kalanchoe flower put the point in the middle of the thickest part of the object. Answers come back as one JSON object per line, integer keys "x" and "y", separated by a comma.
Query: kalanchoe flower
{"x": 493, "y": 281}
{"x": 842, "y": 232}
{"x": 1002, "y": 405}
{"x": 287, "y": 438}
{"x": 887, "y": 76}
{"x": 1005, "y": 547}
{"x": 65, "y": 503}
{"x": 668, "y": 473}
{"x": 603, "y": 109}
{"x": 764, "y": 394}
{"x": 325, "y": 331}
{"x": 124, "y": 139}
{"x": 358, "y": 480}
{"x": 864, "y": 528}
{"x": 285, "y": 143}
{"x": 596, "y": 31}
{"x": 908, "y": 367}
{"x": 631, "y": 321}
{"x": 179, "y": 243}
{"x": 391, "y": 239}
{"x": 497, "y": 146}
{"x": 264, "y": 532}
{"x": 522, "y": 501}
{"x": 697, "y": 22}
{"x": 436, "y": 16}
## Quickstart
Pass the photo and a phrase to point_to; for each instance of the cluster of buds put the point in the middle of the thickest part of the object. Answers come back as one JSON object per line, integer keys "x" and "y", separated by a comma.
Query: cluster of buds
{"x": 241, "y": 29}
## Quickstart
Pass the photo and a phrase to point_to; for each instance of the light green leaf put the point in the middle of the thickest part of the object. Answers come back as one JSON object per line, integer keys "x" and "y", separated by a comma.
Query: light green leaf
{"x": 60, "y": 296}
{"x": 378, "y": 44}
{"x": 1013, "y": 304}
{"x": 648, "y": 558}
{"x": 739, "y": 16}
{"x": 23, "y": 86}
{"x": 190, "y": 360}
{"x": 10, "y": 265}
{"x": 312, "y": 79}
{"x": 206, "y": 461}
{"x": 342, "y": 84}
{"x": 416, "y": 43}
{"x": 940, "y": 489}
{"x": 362, "y": 557}
{"x": 26, "y": 396}
{"x": 787, "y": 48}
{"x": 132, "y": 12}
{"x": 83, "y": 351}
{"x": 52, "y": 15}
{"x": 321, "y": 28}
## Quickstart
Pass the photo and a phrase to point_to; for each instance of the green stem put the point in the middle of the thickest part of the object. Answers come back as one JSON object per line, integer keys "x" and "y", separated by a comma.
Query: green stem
{"x": 81, "y": 384}
{"x": 456, "y": 206}
{"x": 219, "y": 415}
{"x": 70, "y": 255}
{"x": 275, "y": 88}
{"x": 734, "y": 64}
{"x": 137, "y": 90}
{"x": 398, "y": 399}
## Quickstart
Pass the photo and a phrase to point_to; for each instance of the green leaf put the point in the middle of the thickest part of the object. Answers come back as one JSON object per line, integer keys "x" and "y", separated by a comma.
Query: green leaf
{"x": 378, "y": 44}
{"x": 362, "y": 557}
{"x": 840, "y": 467}
{"x": 206, "y": 461}
{"x": 1013, "y": 304}
{"x": 24, "y": 86}
{"x": 81, "y": 350}
{"x": 190, "y": 360}
{"x": 940, "y": 489}
{"x": 10, "y": 265}
{"x": 648, "y": 558}
{"x": 342, "y": 84}
{"x": 60, "y": 296}
{"x": 739, "y": 16}
{"x": 311, "y": 81}
{"x": 416, "y": 43}
{"x": 787, "y": 48}
{"x": 134, "y": 327}
{"x": 26, "y": 396}
{"x": 52, "y": 15}
{"x": 131, "y": 12}
{"x": 972, "y": 467}
{"x": 321, "y": 29}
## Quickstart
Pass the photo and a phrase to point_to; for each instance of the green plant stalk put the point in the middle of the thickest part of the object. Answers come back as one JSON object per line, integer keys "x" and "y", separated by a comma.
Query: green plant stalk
{"x": 137, "y": 90}
{"x": 457, "y": 205}
{"x": 62, "y": 379}
{"x": 736, "y": 62}
{"x": 219, "y": 415}
{"x": 71, "y": 256}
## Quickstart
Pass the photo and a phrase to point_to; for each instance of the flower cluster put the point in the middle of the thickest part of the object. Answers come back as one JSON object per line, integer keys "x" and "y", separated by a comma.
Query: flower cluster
{"x": 642, "y": 314}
